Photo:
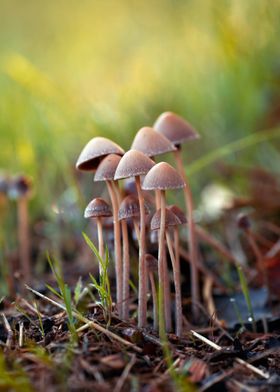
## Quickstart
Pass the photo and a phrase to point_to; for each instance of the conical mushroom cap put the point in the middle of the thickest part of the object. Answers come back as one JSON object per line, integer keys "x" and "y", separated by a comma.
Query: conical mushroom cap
{"x": 133, "y": 163}
{"x": 97, "y": 208}
{"x": 94, "y": 150}
{"x": 151, "y": 143}
{"x": 175, "y": 128}
{"x": 107, "y": 168}
{"x": 170, "y": 219}
{"x": 130, "y": 208}
{"x": 151, "y": 262}
{"x": 179, "y": 213}
{"x": 163, "y": 176}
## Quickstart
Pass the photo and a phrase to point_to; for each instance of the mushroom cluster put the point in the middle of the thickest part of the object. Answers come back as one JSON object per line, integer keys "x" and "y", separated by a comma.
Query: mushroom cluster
{"x": 111, "y": 164}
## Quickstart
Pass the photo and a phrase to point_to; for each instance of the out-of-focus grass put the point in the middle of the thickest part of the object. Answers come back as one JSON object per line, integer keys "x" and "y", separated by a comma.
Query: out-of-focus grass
{"x": 70, "y": 70}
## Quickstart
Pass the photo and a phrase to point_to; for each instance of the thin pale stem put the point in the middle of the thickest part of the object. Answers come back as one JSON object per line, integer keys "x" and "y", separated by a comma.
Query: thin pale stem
{"x": 155, "y": 300}
{"x": 161, "y": 248}
{"x": 177, "y": 284}
{"x": 117, "y": 246}
{"x": 192, "y": 237}
{"x": 258, "y": 254}
{"x": 126, "y": 270}
{"x": 23, "y": 237}
{"x": 166, "y": 284}
{"x": 100, "y": 242}
{"x": 136, "y": 229}
{"x": 126, "y": 261}
{"x": 142, "y": 277}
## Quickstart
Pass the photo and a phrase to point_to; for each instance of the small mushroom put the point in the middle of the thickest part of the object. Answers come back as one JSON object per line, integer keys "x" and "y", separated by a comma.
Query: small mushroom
{"x": 179, "y": 131}
{"x": 98, "y": 208}
{"x": 152, "y": 267}
{"x": 134, "y": 164}
{"x": 162, "y": 177}
{"x": 94, "y": 151}
{"x": 172, "y": 220}
{"x": 129, "y": 208}
{"x": 105, "y": 172}
{"x": 20, "y": 190}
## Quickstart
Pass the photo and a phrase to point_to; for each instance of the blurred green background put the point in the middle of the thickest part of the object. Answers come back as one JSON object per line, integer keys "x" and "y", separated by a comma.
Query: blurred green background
{"x": 70, "y": 70}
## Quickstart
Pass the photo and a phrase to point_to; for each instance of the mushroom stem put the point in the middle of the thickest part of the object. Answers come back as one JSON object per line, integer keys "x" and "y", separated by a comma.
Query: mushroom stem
{"x": 100, "y": 242}
{"x": 23, "y": 237}
{"x": 177, "y": 284}
{"x": 117, "y": 246}
{"x": 192, "y": 237}
{"x": 155, "y": 300}
{"x": 126, "y": 270}
{"x": 257, "y": 253}
{"x": 142, "y": 278}
{"x": 126, "y": 261}
{"x": 166, "y": 285}
{"x": 161, "y": 249}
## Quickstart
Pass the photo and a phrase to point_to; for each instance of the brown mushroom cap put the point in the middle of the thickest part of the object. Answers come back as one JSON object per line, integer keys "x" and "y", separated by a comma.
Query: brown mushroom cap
{"x": 97, "y": 208}
{"x": 130, "y": 208}
{"x": 107, "y": 168}
{"x": 170, "y": 219}
{"x": 94, "y": 150}
{"x": 179, "y": 213}
{"x": 175, "y": 128}
{"x": 133, "y": 163}
{"x": 163, "y": 176}
{"x": 151, "y": 143}
{"x": 151, "y": 262}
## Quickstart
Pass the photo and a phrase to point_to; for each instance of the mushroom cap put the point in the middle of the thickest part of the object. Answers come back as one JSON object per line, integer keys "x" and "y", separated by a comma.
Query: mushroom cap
{"x": 97, "y": 208}
{"x": 179, "y": 213}
{"x": 163, "y": 176}
{"x": 133, "y": 163}
{"x": 175, "y": 128}
{"x": 94, "y": 150}
{"x": 151, "y": 143}
{"x": 130, "y": 208}
{"x": 151, "y": 262}
{"x": 107, "y": 168}
{"x": 19, "y": 186}
{"x": 170, "y": 219}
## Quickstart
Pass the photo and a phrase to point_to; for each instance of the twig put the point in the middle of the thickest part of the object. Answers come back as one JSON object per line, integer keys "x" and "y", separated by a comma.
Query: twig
{"x": 90, "y": 323}
{"x": 238, "y": 360}
{"x": 125, "y": 374}
{"x": 8, "y": 329}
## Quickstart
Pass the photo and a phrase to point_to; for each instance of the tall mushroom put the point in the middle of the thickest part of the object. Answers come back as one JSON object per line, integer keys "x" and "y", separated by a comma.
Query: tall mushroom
{"x": 172, "y": 221}
{"x": 152, "y": 143}
{"x": 134, "y": 164}
{"x": 129, "y": 209}
{"x": 178, "y": 131}
{"x": 162, "y": 177}
{"x": 98, "y": 208}
{"x": 105, "y": 172}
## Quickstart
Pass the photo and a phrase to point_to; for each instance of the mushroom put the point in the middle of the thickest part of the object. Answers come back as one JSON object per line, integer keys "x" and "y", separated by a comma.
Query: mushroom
{"x": 98, "y": 208}
{"x": 152, "y": 267}
{"x": 105, "y": 172}
{"x": 178, "y": 131}
{"x": 94, "y": 151}
{"x": 134, "y": 164}
{"x": 152, "y": 143}
{"x": 162, "y": 177}
{"x": 90, "y": 157}
{"x": 171, "y": 220}
{"x": 20, "y": 190}
{"x": 129, "y": 208}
